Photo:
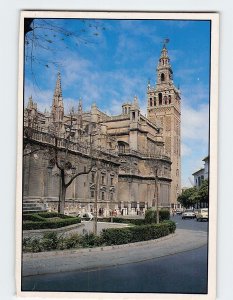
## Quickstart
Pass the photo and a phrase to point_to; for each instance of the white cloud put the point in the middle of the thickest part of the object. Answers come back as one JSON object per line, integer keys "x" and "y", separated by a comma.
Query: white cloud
{"x": 43, "y": 98}
{"x": 195, "y": 123}
{"x": 185, "y": 150}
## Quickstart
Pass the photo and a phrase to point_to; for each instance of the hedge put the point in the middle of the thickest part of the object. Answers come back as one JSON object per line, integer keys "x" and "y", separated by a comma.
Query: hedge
{"x": 122, "y": 220}
{"x": 150, "y": 218}
{"x": 43, "y": 216}
{"x": 45, "y": 220}
{"x": 171, "y": 225}
{"x": 118, "y": 236}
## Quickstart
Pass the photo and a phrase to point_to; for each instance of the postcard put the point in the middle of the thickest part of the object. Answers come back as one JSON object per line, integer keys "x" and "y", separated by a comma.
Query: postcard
{"x": 117, "y": 155}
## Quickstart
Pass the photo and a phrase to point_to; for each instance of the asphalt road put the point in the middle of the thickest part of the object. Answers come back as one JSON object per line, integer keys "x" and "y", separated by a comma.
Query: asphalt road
{"x": 180, "y": 273}
{"x": 184, "y": 272}
{"x": 190, "y": 224}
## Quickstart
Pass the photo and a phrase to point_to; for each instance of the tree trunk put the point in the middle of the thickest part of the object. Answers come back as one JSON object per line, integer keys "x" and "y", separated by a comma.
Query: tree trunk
{"x": 62, "y": 200}
{"x": 62, "y": 194}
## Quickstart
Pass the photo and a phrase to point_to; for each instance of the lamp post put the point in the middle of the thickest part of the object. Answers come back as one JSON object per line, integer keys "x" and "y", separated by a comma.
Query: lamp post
{"x": 94, "y": 133}
{"x": 156, "y": 195}
{"x": 96, "y": 201}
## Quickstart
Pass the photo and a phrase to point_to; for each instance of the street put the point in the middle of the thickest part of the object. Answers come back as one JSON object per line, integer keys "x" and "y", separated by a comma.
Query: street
{"x": 183, "y": 272}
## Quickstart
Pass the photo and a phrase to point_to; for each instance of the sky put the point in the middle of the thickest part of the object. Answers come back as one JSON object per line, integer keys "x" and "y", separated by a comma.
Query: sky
{"x": 110, "y": 61}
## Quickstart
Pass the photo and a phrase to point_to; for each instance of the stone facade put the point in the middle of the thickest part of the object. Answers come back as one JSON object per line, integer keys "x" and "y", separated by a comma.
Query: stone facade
{"x": 164, "y": 110}
{"x": 131, "y": 153}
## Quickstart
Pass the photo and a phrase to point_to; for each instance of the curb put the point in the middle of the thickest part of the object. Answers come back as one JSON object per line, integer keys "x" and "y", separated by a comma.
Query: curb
{"x": 48, "y": 254}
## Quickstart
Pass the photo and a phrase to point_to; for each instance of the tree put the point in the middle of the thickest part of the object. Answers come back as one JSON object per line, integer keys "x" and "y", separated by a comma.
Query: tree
{"x": 67, "y": 170}
{"x": 203, "y": 192}
{"x": 189, "y": 197}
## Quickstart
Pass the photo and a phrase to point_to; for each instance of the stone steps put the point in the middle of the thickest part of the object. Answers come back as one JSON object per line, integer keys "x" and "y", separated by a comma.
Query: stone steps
{"x": 32, "y": 205}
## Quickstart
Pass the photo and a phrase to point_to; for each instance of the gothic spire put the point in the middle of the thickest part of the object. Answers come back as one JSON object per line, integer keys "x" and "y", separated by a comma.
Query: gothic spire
{"x": 58, "y": 107}
{"x": 80, "y": 106}
{"x": 58, "y": 89}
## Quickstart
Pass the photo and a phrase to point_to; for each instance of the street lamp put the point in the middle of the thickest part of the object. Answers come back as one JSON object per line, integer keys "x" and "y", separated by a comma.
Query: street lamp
{"x": 156, "y": 195}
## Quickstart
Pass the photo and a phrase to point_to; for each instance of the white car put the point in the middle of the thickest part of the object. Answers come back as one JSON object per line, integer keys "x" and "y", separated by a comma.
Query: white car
{"x": 188, "y": 214}
{"x": 202, "y": 214}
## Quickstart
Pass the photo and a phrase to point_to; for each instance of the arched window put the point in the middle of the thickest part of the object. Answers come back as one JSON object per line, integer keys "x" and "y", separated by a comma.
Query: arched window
{"x": 150, "y": 101}
{"x": 121, "y": 148}
{"x": 169, "y": 99}
{"x": 162, "y": 77}
{"x": 160, "y": 99}
{"x": 154, "y": 101}
{"x": 165, "y": 100}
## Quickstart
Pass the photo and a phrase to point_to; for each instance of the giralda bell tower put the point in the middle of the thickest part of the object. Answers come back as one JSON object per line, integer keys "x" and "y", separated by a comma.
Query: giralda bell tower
{"x": 164, "y": 109}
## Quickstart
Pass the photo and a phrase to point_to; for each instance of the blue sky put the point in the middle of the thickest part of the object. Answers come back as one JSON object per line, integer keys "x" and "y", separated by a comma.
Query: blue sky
{"x": 110, "y": 61}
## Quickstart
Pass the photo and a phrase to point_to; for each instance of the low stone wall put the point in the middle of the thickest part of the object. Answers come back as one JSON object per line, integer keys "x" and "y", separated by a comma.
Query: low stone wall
{"x": 77, "y": 228}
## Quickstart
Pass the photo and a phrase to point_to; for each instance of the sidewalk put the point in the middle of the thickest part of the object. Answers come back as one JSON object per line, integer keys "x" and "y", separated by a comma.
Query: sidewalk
{"x": 102, "y": 257}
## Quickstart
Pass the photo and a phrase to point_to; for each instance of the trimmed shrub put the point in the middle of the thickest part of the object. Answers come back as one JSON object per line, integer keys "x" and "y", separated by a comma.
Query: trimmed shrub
{"x": 90, "y": 240}
{"x": 50, "y": 224}
{"x": 122, "y": 220}
{"x": 171, "y": 225}
{"x": 118, "y": 236}
{"x": 150, "y": 216}
{"x": 32, "y": 217}
{"x": 53, "y": 214}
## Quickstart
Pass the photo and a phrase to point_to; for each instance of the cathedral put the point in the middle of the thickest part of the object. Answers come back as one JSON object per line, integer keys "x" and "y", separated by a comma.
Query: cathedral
{"x": 126, "y": 163}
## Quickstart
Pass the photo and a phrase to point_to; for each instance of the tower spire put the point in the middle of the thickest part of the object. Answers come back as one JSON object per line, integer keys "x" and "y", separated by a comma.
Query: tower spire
{"x": 58, "y": 107}
{"x": 58, "y": 89}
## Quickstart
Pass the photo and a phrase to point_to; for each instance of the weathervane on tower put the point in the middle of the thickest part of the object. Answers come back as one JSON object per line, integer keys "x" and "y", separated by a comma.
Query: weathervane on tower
{"x": 165, "y": 41}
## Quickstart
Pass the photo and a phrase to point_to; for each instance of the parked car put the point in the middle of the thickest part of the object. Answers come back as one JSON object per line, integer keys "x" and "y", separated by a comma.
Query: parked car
{"x": 188, "y": 214}
{"x": 179, "y": 211}
{"x": 202, "y": 214}
{"x": 196, "y": 212}
{"x": 88, "y": 216}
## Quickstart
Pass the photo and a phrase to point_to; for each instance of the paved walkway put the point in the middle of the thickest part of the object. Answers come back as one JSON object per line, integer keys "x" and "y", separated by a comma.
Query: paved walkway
{"x": 101, "y": 257}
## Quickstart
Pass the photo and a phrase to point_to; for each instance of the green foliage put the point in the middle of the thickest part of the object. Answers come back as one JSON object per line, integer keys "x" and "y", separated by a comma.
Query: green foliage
{"x": 50, "y": 241}
{"x": 35, "y": 245}
{"x": 53, "y": 215}
{"x": 73, "y": 241}
{"x": 118, "y": 236}
{"x": 191, "y": 196}
{"x": 204, "y": 191}
{"x": 90, "y": 240}
{"x": 129, "y": 221}
{"x": 151, "y": 216}
{"x": 47, "y": 220}
{"x": 171, "y": 225}
{"x": 111, "y": 236}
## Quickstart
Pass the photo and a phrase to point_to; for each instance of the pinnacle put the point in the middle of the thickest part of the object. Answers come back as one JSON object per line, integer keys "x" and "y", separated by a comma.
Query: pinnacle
{"x": 58, "y": 89}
